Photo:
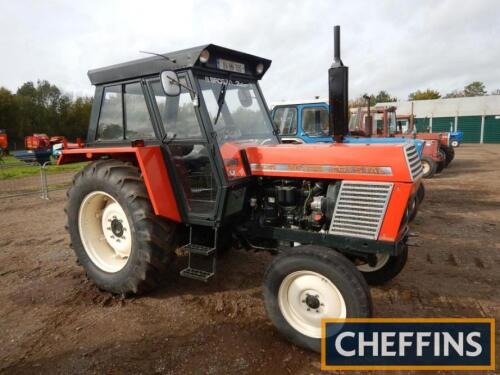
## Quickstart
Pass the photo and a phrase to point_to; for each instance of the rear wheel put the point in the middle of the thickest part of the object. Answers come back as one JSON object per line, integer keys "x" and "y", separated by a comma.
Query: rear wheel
{"x": 123, "y": 247}
{"x": 447, "y": 155}
{"x": 428, "y": 166}
{"x": 420, "y": 193}
{"x": 386, "y": 267}
{"x": 308, "y": 283}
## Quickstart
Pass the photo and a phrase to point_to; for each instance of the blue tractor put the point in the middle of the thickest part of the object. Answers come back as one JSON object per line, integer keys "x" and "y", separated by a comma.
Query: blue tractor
{"x": 307, "y": 122}
{"x": 456, "y": 138}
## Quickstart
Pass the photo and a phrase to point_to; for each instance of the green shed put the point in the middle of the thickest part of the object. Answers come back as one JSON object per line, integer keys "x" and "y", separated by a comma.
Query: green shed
{"x": 422, "y": 125}
{"x": 471, "y": 127}
{"x": 443, "y": 124}
{"x": 491, "y": 129}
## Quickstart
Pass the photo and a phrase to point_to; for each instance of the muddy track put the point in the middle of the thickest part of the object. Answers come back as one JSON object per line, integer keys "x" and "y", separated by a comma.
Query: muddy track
{"x": 54, "y": 321}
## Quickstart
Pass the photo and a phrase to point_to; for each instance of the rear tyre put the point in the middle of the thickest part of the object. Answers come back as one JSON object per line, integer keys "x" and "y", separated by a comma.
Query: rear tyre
{"x": 122, "y": 245}
{"x": 429, "y": 167}
{"x": 440, "y": 166}
{"x": 386, "y": 268}
{"x": 448, "y": 155}
{"x": 420, "y": 194}
{"x": 308, "y": 283}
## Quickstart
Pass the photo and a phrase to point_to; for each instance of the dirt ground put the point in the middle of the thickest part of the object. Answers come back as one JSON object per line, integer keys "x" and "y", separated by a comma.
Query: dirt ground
{"x": 52, "y": 320}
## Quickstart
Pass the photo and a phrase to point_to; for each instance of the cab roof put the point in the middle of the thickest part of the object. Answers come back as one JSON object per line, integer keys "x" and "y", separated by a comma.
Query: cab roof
{"x": 177, "y": 60}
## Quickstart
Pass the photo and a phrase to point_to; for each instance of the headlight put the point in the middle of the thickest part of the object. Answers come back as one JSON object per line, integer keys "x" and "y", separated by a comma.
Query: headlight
{"x": 204, "y": 56}
{"x": 259, "y": 69}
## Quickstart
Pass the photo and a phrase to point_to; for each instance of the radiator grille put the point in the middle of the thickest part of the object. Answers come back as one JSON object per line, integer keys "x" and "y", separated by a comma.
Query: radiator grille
{"x": 413, "y": 161}
{"x": 360, "y": 209}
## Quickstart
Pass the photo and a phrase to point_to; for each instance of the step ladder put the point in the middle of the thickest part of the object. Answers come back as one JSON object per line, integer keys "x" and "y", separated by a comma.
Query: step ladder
{"x": 201, "y": 259}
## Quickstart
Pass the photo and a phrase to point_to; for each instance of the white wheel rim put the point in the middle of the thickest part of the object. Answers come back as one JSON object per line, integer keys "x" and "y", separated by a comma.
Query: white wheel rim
{"x": 426, "y": 167}
{"x": 306, "y": 297}
{"x": 104, "y": 231}
{"x": 382, "y": 260}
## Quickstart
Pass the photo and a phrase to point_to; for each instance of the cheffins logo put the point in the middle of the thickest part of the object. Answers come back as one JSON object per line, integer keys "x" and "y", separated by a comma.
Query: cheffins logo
{"x": 408, "y": 344}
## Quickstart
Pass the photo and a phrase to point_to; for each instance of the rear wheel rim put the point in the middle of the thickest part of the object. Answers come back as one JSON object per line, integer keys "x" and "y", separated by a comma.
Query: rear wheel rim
{"x": 306, "y": 297}
{"x": 105, "y": 231}
{"x": 382, "y": 260}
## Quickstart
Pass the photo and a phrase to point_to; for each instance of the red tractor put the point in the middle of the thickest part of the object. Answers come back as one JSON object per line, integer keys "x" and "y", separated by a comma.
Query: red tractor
{"x": 381, "y": 122}
{"x": 182, "y": 148}
{"x": 406, "y": 126}
{"x": 4, "y": 143}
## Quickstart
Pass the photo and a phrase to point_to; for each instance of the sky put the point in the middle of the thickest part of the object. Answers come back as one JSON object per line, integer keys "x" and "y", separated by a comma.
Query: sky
{"x": 397, "y": 46}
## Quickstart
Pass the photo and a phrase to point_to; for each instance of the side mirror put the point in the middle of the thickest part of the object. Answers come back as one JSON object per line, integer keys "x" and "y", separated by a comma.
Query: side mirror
{"x": 245, "y": 97}
{"x": 170, "y": 83}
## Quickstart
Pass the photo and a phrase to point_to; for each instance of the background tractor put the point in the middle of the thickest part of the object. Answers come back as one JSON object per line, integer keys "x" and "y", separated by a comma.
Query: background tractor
{"x": 181, "y": 146}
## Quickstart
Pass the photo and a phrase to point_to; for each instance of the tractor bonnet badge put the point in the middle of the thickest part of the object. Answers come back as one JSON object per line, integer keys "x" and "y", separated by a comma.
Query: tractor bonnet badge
{"x": 315, "y": 168}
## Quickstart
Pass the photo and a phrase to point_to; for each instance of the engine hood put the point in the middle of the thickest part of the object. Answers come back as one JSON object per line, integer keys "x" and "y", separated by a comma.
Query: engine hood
{"x": 373, "y": 162}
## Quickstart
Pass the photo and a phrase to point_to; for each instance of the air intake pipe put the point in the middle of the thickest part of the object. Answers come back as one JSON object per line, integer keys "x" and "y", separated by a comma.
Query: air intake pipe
{"x": 338, "y": 75}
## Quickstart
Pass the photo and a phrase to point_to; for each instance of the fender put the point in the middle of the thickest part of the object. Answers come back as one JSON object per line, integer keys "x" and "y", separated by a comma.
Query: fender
{"x": 150, "y": 161}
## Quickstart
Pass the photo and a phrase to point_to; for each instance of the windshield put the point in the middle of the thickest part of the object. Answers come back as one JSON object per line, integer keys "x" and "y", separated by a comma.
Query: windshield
{"x": 239, "y": 114}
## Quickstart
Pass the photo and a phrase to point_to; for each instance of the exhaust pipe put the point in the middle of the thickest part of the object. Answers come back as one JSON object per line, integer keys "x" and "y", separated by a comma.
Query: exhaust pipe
{"x": 338, "y": 75}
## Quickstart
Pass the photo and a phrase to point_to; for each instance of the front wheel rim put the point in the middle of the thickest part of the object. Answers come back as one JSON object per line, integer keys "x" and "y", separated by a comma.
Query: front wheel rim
{"x": 426, "y": 167}
{"x": 105, "y": 231}
{"x": 307, "y": 297}
{"x": 382, "y": 260}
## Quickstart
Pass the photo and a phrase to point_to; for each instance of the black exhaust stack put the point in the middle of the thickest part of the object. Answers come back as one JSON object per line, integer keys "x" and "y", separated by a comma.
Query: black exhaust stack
{"x": 338, "y": 75}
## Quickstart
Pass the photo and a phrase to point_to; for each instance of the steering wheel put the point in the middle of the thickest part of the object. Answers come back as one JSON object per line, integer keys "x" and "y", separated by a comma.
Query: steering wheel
{"x": 266, "y": 141}
{"x": 231, "y": 132}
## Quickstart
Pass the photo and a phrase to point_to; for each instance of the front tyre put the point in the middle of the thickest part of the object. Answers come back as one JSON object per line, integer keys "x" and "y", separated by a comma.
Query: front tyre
{"x": 429, "y": 167}
{"x": 305, "y": 284}
{"x": 123, "y": 247}
{"x": 385, "y": 269}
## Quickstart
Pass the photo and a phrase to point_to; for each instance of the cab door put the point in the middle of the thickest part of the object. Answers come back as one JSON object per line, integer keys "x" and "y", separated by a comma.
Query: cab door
{"x": 187, "y": 152}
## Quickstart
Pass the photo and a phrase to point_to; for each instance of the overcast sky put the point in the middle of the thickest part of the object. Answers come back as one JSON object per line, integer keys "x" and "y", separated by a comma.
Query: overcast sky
{"x": 398, "y": 46}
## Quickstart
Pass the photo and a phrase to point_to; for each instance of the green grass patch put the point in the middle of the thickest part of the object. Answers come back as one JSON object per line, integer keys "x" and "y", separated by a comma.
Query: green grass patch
{"x": 11, "y": 168}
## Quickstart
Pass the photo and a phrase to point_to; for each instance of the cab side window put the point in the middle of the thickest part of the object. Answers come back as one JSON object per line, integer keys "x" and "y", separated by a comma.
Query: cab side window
{"x": 113, "y": 125}
{"x": 285, "y": 119}
{"x": 177, "y": 112}
{"x": 315, "y": 121}
{"x": 110, "y": 126}
{"x": 137, "y": 121}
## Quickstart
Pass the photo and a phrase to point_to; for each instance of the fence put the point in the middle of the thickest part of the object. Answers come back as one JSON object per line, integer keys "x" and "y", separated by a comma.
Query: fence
{"x": 32, "y": 179}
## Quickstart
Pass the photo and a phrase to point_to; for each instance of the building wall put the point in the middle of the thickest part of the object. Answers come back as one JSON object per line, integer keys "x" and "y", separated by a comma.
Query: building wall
{"x": 478, "y": 117}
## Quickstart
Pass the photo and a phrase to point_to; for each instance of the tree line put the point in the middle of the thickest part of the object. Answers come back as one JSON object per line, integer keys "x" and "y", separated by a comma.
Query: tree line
{"x": 42, "y": 108}
{"x": 476, "y": 88}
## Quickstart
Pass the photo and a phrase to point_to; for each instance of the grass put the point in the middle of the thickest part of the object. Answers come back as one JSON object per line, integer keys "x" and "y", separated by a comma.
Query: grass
{"x": 11, "y": 168}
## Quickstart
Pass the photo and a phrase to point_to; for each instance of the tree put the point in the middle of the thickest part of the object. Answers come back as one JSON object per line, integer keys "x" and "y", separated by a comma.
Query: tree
{"x": 424, "y": 95}
{"x": 455, "y": 94}
{"x": 42, "y": 108}
{"x": 381, "y": 97}
{"x": 384, "y": 97}
{"x": 475, "y": 88}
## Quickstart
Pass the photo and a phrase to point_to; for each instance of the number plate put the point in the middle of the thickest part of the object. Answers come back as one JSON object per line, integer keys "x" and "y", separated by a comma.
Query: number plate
{"x": 231, "y": 66}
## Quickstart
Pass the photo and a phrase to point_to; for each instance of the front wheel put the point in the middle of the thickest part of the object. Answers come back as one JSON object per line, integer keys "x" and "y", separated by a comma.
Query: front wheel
{"x": 429, "y": 167}
{"x": 306, "y": 284}
{"x": 385, "y": 268}
{"x": 455, "y": 143}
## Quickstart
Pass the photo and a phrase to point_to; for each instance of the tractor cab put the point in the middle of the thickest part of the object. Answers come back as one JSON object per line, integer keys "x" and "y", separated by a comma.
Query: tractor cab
{"x": 200, "y": 105}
